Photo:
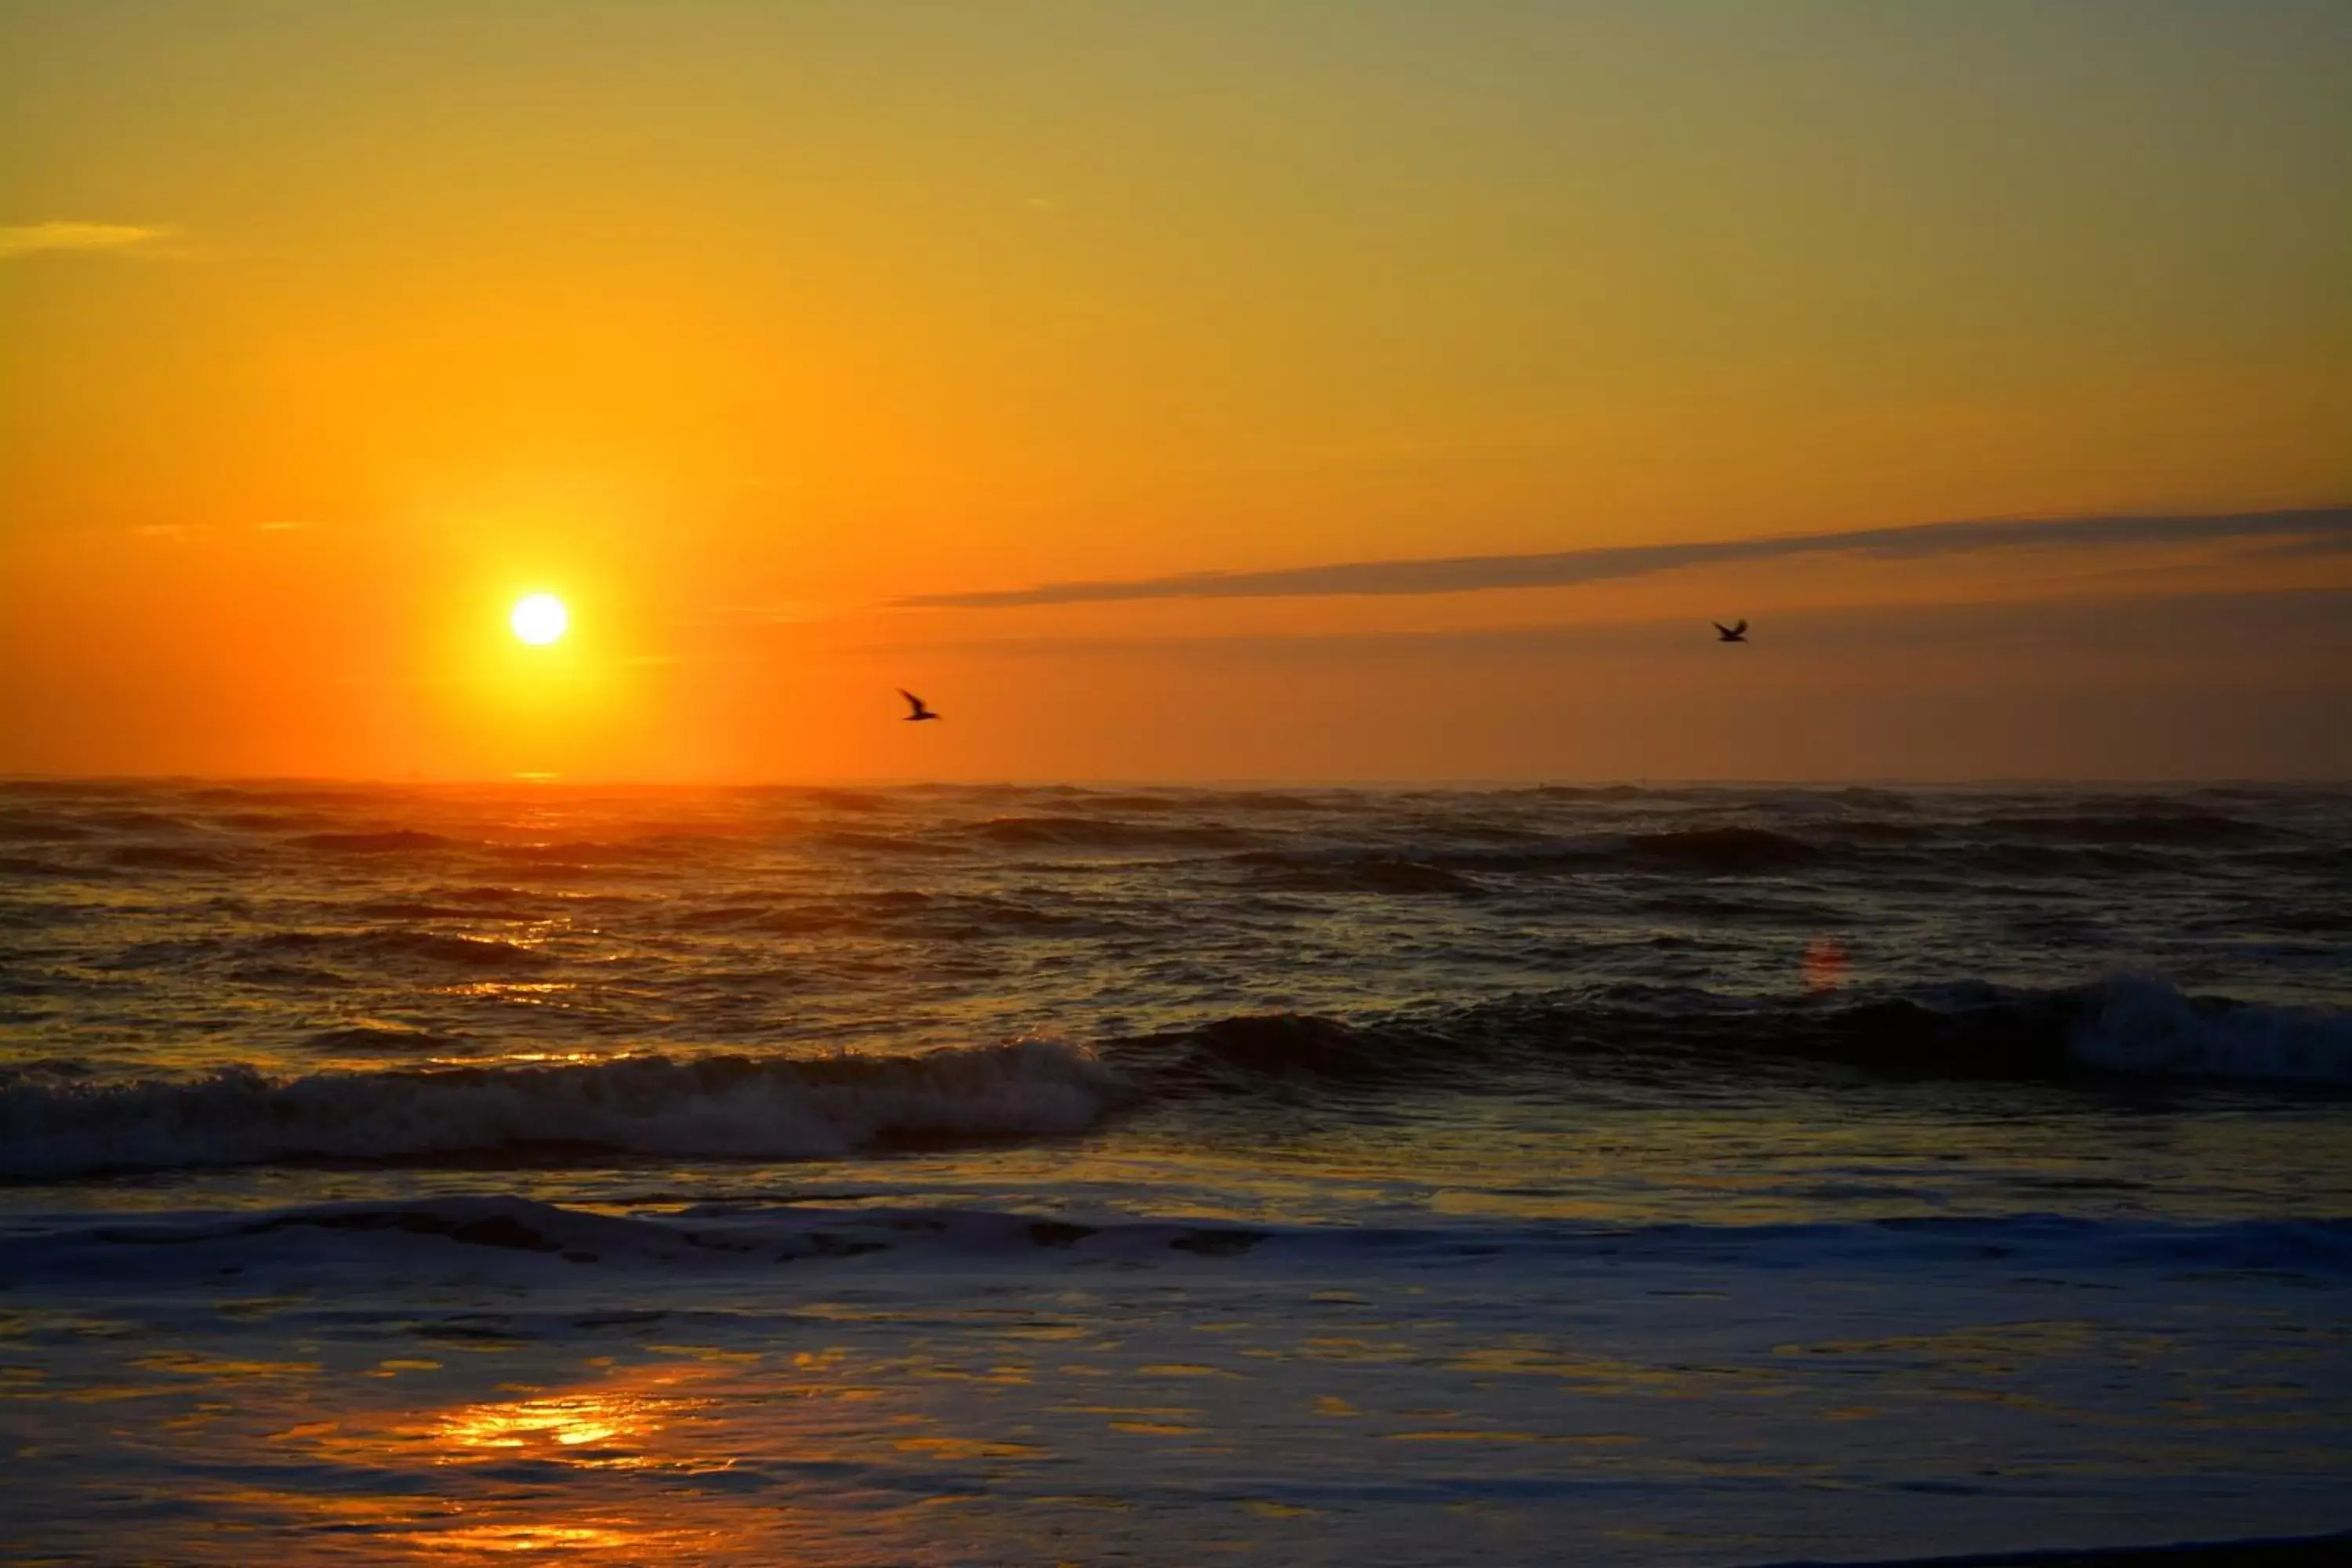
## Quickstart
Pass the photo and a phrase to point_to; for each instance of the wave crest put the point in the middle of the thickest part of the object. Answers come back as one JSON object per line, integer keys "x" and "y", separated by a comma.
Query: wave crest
{"x": 2124, "y": 1026}
{"x": 2140, "y": 1026}
{"x": 715, "y": 1106}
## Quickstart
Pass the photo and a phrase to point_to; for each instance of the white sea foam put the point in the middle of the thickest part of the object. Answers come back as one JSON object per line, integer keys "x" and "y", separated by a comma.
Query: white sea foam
{"x": 721, "y": 1107}
{"x": 2140, "y": 1026}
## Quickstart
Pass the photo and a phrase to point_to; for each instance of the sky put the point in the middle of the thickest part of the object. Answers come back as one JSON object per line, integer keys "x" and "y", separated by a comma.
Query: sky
{"x": 1323, "y": 392}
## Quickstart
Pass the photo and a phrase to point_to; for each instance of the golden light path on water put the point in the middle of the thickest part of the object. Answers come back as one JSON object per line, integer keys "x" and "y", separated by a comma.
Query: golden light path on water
{"x": 1024, "y": 1417}
{"x": 622, "y": 1465}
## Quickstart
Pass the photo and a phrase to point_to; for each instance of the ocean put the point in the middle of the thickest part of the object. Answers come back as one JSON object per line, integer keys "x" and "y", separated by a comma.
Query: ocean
{"x": 1009, "y": 1174}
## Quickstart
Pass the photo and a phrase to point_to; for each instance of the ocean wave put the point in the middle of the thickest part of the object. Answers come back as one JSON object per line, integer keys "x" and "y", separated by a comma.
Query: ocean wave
{"x": 2322, "y": 858}
{"x": 1878, "y": 830}
{"x": 1433, "y": 864}
{"x": 2159, "y": 827}
{"x": 1340, "y": 802}
{"x": 374, "y": 1037}
{"x": 417, "y": 909}
{"x": 710, "y": 1107}
{"x": 1724, "y": 849}
{"x": 589, "y": 852}
{"x": 902, "y": 912}
{"x": 883, "y": 843}
{"x": 2146, "y": 1027}
{"x": 2118, "y": 1026}
{"x": 167, "y": 858}
{"x": 1353, "y": 873}
{"x": 343, "y": 796}
{"x": 137, "y": 821}
{"x": 736, "y": 1107}
{"x": 1110, "y": 833}
{"x": 38, "y": 827}
{"x": 516, "y": 1236}
{"x": 1866, "y": 798}
{"x": 398, "y": 946}
{"x": 31, "y": 866}
{"x": 853, "y": 800}
{"x": 270, "y": 821}
{"x": 390, "y": 841}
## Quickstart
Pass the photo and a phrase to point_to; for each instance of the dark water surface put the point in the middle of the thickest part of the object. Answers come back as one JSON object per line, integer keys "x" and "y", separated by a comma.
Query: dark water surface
{"x": 1712, "y": 1174}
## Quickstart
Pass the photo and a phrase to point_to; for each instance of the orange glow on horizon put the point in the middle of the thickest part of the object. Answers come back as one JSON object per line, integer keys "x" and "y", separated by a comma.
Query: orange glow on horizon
{"x": 741, "y": 356}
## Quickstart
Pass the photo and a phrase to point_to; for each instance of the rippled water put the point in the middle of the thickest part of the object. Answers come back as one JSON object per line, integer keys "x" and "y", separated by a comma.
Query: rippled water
{"x": 200, "y": 978}
{"x": 1455, "y": 1109}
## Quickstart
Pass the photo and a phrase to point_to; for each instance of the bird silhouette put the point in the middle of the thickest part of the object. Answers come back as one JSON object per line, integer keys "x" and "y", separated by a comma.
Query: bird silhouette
{"x": 916, "y": 711}
{"x": 1736, "y": 632}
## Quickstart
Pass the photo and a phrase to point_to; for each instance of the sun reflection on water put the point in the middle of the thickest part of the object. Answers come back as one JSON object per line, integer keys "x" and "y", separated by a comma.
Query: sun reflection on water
{"x": 608, "y": 1428}
{"x": 627, "y": 1464}
{"x": 628, "y": 1540}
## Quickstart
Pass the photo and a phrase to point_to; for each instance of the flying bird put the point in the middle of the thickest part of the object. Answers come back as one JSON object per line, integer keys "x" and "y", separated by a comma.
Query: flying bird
{"x": 916, "y": 711}
{"x": 1736, "y": 632}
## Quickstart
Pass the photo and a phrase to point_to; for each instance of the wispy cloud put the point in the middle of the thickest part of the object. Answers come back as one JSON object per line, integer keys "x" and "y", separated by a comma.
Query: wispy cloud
{"x": 2316, "y": 528}
{"x": 2207, "y": 629}
{"x": 28, "y": 239}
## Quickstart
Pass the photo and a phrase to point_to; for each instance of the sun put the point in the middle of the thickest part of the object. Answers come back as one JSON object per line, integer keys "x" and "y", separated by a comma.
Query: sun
{"x": 539, "y": 618}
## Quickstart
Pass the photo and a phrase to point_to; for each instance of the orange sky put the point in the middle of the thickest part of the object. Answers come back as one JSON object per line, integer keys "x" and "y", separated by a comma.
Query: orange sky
{"x": 328, "y": 331}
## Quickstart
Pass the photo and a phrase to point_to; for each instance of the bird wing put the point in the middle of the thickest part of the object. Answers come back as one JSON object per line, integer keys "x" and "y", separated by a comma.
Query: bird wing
{"x": 1718, "y": 626}
{"x": 1737, "y": 628}
{"x": 914, "y": 703}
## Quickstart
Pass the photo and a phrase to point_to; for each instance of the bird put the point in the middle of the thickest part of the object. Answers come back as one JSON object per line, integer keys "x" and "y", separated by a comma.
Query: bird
{"x": 1736, "y": 632}
{"x": 916, "y": 711}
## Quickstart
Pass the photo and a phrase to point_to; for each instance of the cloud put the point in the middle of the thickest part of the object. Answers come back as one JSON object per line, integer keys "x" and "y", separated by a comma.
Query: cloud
{"x": 2316, "y": 529}
{"x": 27, "y": 240}
{"x": 2312, "y": 628}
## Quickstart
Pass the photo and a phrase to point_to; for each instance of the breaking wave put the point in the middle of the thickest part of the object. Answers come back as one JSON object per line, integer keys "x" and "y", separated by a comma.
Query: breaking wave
{"x": 739, "y": 1106}
{"x": 715, "y": 1106}
{"x": 2146, "y": 1026}
{"x": 2124, "y": 1026}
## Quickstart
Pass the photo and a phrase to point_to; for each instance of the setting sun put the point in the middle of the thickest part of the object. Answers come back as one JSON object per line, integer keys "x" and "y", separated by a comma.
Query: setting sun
{"x": 539, "y": 618}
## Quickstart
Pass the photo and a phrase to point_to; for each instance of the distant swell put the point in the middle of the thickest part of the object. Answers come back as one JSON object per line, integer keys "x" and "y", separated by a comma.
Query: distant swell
{"x": 391, "y": 948}
{"x": 715, "y": 1106}
{"x": 1723, "y": 848}
{"x": 2134, "y": 827}
{"x": 1294, "y": 872}
{"x": 391, "y": 842}
{"x": 1107, "y": 833}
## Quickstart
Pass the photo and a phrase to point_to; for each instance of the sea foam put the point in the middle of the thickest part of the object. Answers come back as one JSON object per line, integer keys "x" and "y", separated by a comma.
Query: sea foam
{"x": 2141, "y": 1026}
{"x": 728, "y": 1107}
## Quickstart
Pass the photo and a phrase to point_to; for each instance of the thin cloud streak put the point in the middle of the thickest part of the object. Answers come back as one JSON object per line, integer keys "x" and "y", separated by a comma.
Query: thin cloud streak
{"x": 2321, "y": 529}
{"x": 2208, "y": 628}
{"x": 28, "y": 239}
